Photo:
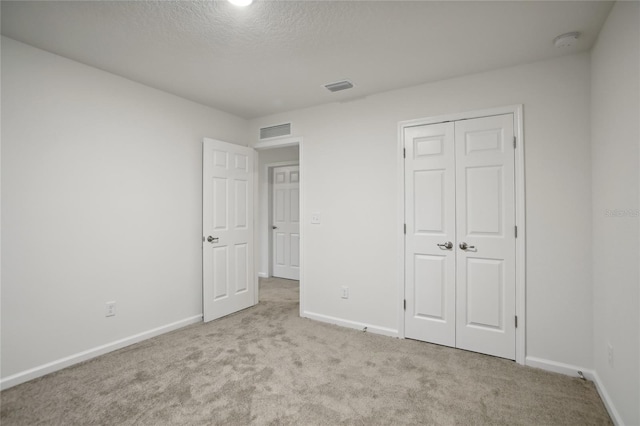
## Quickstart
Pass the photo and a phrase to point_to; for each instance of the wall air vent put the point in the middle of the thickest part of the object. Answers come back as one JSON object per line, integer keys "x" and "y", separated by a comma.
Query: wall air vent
{"x": 275, "y": 131}
{"x": 339, "y": 85}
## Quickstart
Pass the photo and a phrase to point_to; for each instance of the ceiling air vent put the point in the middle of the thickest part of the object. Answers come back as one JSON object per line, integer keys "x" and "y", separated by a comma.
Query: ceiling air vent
{"x": 275, "y": 131}
{"x": 339, "y": 85}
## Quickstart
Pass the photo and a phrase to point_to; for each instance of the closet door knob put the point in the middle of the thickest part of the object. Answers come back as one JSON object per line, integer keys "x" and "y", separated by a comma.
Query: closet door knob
{"x": 446, "y": 246}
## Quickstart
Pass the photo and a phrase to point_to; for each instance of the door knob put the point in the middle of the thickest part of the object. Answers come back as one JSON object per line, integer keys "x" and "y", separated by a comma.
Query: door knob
{"x": 212, "y": 239}
{"x": 274, "y": 227}
{"x": 447, "y": 246}
{"x": 465, "y": 246}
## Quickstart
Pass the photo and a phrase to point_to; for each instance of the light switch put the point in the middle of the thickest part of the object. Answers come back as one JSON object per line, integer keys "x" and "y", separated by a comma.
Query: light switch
{"x": 315, "y": 218}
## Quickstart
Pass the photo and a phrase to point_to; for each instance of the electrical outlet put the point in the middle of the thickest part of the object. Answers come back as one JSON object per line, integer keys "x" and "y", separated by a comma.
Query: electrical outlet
{"x": 610, "y": 354}
{"x": 315, "y": 218}
{"x": 345, "y": 292}
{"x": 110, "y": 309}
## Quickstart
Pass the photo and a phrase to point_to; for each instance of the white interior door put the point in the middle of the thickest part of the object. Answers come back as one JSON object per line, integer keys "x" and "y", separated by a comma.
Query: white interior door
{"x": 430, "y": 233}
{"x": 227, "y": 224}
{"x": 286, "y": 222}
{"x": 485, "y": 207}
{"x": 460, "y": 239}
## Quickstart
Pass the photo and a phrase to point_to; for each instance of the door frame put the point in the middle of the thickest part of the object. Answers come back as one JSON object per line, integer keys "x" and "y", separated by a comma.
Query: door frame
{"x": 517, "y": 111}
{"x": 281, "y": 143}
{"x": 266, "y": 214}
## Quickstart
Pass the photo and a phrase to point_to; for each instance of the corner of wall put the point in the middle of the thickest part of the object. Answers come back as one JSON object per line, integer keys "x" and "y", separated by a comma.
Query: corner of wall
{"x": 615, "y": 132}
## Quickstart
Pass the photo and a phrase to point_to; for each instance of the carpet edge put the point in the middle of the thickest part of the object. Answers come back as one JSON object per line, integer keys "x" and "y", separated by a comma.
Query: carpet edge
{"x": 59, "y": 364}
{"x": 572, "y": 370}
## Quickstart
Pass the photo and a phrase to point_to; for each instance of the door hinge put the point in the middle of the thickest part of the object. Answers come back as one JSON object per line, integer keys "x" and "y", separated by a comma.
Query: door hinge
{"x": 515, "y": 228}
{"x": 516, "y": 321}
{"x": 514, "y": 141}
{"x": 405, "y": 229}
{"x": 405, "y": 304}
{"x": 404, "y": 152}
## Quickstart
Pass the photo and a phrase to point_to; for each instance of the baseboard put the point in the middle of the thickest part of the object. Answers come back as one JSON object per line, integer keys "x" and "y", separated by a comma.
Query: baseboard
{"x": 33, "y": 373}
{"x": 608, "y": 403}
{"x": 572, "y": 370}
{"x": 351, "y": 324}
{"x": 263, "y": 275}
{"x": 558, "y": 367}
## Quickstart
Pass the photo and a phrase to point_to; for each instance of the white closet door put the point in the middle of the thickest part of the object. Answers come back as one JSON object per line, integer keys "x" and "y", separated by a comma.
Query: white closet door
{"x": 286, "y": 222}
{"x": 460, "y": 189}
{"x": 227, "y": 224}
{"x": 430, "y": 222}
{"x": 485, "y": 206}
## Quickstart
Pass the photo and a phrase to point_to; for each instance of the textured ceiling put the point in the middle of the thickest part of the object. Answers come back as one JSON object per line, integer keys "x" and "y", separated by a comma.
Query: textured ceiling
{"x": 275, "y": 55}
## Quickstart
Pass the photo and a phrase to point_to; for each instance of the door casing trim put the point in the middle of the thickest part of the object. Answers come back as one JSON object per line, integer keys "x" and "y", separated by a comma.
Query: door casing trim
{"x": 520, "y": 201}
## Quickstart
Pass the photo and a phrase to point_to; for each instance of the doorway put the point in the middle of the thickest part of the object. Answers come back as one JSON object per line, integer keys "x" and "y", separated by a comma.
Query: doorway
{"x": 274, "y": 155}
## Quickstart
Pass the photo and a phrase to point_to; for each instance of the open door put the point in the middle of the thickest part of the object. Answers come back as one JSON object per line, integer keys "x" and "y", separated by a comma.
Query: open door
{"x": 228, "y": 230}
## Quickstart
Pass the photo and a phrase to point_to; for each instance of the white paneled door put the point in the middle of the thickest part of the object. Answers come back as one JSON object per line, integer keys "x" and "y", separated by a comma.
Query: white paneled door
{"x": 286, "y": 222}
{"x": 460, "y": 242}
{"x": 227, "y": 224}
{"x": 485, "y": 223}
{"x": 431, "y": 232}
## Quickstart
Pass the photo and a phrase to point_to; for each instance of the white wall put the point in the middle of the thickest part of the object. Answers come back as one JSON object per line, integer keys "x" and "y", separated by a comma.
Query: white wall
{"x": 615, "y": 86}
{"x": 101, "y": 201}
{"x": 265, "y": 157}
{"x": 351, "y": 177}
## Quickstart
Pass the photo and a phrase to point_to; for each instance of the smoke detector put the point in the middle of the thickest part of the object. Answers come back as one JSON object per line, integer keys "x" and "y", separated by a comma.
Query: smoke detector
{"x": 566, "y": 40}
{"x": 339, "y": 85}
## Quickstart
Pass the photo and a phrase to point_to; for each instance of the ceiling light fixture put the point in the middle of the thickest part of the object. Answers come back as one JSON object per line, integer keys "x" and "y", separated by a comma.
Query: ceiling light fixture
{"x": 241, "y": 3}
{"x": 566, "y": 40}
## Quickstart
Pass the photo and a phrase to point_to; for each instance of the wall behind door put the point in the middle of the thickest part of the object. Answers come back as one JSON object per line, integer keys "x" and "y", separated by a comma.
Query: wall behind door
{"x": 101, "y": 201}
